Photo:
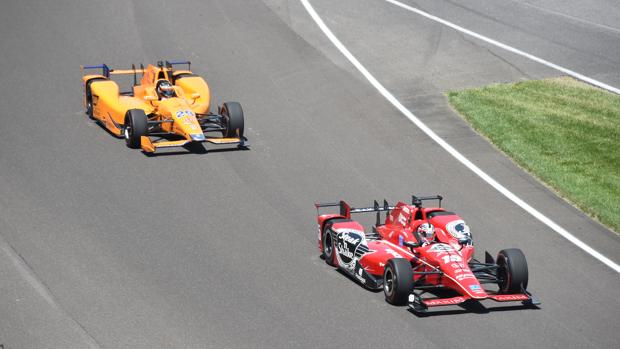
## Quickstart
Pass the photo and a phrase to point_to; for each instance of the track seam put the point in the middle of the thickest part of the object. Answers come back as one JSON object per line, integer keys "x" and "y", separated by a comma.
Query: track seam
{"x": 26, "y": 271}
{"x": 506, "y": 47}
{"x": 451, "y": 150}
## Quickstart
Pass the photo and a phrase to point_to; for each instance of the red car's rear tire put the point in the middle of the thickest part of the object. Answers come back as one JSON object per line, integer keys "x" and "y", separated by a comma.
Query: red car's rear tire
{"x": 397, "y": 281}
{"x": 328, "y": 244}
{"x": 328, "y": 247}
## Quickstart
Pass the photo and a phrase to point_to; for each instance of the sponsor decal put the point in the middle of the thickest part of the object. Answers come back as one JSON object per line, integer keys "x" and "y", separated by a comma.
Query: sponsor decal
{"x": 350, "y": 245}
{"x": 181, "y": 113}
{"x": 360, "y": 271}
{"x": 441, "y": 248}
{"x": 464, "y": 276}
{"x": 459, "y": 230}
{"x": 510, "y": 297}
{"x": 198, "y": 137}
{"x": 402, "y": 219}
{"x": 451, "y": 258}
{"x": 474, "y": 287}
{"x": 393, "y": 253}
{"x": 444, "y": 301}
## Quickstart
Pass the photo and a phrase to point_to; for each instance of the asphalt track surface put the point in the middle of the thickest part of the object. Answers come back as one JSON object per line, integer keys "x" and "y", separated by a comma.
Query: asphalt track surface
{"x": 102, "y": 246}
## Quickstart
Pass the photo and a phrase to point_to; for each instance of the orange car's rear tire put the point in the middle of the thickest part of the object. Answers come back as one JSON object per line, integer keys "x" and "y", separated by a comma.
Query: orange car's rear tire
{"x": 135, "y": 127}
{"x": 233, "y": 114}
{"x": 89, "y": 98}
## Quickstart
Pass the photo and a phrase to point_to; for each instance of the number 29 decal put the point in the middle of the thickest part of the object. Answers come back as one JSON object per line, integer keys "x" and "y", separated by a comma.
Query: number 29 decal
{"x": 181, "y": 113}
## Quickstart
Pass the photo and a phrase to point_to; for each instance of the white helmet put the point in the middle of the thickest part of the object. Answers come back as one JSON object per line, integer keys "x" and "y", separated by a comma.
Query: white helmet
{"x": 427, "y": 231}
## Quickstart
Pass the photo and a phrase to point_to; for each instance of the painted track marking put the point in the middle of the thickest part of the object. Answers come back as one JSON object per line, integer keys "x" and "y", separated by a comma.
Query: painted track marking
{"x": 447, "y": 147}
{"x": 507, "y": 47}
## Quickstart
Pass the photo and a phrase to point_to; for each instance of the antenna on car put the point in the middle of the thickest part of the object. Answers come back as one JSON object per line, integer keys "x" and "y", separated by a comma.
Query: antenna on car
{"x": 135, "y": 79}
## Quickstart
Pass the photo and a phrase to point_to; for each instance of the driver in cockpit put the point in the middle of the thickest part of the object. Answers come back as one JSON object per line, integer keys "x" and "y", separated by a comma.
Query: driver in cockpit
{"x": 426, "y": 231}
{"x": 165, "y": 90}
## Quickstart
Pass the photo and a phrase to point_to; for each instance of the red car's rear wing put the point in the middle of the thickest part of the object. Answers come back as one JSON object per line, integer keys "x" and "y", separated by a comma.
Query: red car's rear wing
{"x": 417, "y": 200}
{"x": 346, "y": 210}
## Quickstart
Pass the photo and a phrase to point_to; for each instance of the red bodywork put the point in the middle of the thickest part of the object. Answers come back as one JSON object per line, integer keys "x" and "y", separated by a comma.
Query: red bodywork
{"x": 444, "y": 262}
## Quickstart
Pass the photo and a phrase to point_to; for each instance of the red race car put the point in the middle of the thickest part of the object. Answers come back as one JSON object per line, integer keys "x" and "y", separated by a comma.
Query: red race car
{"x": 419, "y": 251}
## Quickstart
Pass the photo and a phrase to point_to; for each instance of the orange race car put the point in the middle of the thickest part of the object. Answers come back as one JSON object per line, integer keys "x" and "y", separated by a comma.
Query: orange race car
{"x": 168, "y": 108}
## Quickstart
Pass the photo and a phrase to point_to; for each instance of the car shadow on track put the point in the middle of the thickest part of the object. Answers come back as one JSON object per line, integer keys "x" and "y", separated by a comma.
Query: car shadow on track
{"x": 471, "y": 306}
{"x": 358, "y": 283}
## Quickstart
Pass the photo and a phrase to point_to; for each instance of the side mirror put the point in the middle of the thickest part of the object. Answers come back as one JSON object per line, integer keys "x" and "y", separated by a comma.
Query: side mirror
{"x": 195, "y": 95}
{"x": 150, "y": 98}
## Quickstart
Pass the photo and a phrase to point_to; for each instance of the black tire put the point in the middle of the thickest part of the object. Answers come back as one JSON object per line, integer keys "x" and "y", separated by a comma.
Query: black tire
{"x": 397, "y": 281}
{"x": 89, "y": 99}
{"x": 233, "y": 114}
{"x": 329, "y": 249}
{"x": 512, "y": 271}
{"x": 135, "y": 127}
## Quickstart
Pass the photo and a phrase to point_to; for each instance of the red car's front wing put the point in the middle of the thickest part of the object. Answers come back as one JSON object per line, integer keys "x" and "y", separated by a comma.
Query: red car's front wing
{"x": 419, "y": 304}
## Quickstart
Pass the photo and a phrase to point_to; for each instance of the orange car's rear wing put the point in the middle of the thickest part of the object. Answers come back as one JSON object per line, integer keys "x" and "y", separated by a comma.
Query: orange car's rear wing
{"x": 166, "y": 66}
{"x": 107, "y": 71}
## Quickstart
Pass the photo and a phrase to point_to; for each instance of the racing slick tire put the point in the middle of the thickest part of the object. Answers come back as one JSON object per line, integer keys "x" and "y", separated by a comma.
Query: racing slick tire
{"x": 329, "y": 248}
{"x": 512, "y": 271}
{"x": 233, "y": 115}
{"x": 397, "y": 281}
{"x": 89, "y": 98}
{"x": 135, "y": 127}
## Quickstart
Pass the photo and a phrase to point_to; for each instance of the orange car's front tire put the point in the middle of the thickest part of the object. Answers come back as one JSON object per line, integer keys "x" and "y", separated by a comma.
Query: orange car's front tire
{"x": 233, "y": 114}
{"x": 135, "y": 127}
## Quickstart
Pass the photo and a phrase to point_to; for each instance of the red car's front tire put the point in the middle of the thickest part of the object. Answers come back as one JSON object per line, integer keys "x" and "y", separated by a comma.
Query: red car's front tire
{"x": 397, "y": 281}
{"x": 512, "y": 272}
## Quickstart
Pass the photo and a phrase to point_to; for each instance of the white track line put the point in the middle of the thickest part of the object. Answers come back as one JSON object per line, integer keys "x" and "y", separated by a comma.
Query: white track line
{"x": 572, "y": 18}
{"x": 507, "y": 193}
{"x": 507, "y": 48}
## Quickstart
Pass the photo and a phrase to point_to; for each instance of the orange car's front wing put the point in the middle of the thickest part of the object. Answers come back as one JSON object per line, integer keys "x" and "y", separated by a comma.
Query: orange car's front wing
{"x": 149, "y": 146}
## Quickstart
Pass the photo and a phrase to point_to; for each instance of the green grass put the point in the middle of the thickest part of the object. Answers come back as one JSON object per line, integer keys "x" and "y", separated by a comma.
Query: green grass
{"x": 564, "y": 132}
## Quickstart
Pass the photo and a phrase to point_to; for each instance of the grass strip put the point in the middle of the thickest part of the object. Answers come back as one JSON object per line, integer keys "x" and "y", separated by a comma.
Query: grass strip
{"x": 564, "y": 132}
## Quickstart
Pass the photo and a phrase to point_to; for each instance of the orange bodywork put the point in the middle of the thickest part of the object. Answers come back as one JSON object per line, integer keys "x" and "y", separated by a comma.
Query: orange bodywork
{"x": 177, "y": 116}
